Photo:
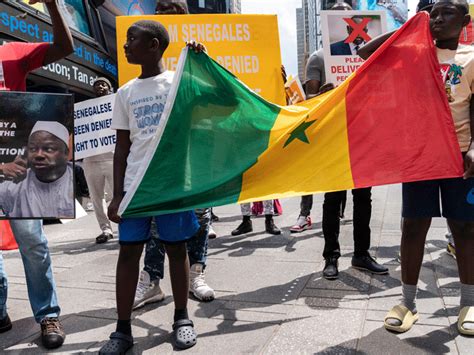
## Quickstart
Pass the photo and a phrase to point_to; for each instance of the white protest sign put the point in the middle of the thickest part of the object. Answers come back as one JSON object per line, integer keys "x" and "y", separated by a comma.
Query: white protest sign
{"x": 92, "y": 133}
{"x": 344, "y": 32}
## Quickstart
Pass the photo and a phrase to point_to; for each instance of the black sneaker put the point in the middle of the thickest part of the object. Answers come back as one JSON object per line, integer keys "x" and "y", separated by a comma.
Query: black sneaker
{"x": 5, "y": 324}
{"x": 330, "y": 271}
{"x": 271, "y": 228}
{"x": 52, "y": 333}
{"x": 367, "y": 263}
{"x": 244, "y": 227}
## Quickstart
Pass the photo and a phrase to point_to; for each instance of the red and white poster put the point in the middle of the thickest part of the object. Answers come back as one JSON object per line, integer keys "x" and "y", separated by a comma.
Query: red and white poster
{"x": 344, "y": 33}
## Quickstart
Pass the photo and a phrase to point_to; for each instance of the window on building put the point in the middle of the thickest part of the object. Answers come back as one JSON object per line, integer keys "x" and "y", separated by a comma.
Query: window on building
{"x": 202, "y": 4}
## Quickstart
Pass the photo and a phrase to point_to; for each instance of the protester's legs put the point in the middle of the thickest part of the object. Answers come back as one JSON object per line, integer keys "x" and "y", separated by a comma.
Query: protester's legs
{"x": 343, "y": 205}
{"x": 458, "y": 208}
{"x": 3, "y": 289}
{"x": 268, "y": 207}
{"x": 463, "y": 234}
{"x": 246, "y": 209}
{"x": 197, "y": 253}
{"x": 412, "y": 247}
{"x": 306, "y": 205}
{"x": 179, "y": 275}
{"x": 269, "y": 224}
{"x": 420, "y": 204}
{"x": 154, "y": 255}
{"x": 133, "y": 233}
{"x": 246, "y": 225}
{"x": 128, "y": 266}
{"x": 38, "y": 271}
{"x": 96, "y": 175}
{"x": 197, "y": 246}
{"x": 362, "y": 214}
{"x": 331, "y": 208}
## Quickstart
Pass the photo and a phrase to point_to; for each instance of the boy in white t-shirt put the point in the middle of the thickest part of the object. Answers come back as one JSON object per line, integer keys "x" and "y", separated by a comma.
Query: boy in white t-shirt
{"x": 138, "y": 109}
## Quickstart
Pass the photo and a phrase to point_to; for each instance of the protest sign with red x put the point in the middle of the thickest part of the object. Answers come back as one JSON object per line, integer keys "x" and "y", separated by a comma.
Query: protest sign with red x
{"x": 358, "y": 29}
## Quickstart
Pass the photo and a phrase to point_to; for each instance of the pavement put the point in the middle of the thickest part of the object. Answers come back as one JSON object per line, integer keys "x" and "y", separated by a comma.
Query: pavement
{"x": 270, "y": 294}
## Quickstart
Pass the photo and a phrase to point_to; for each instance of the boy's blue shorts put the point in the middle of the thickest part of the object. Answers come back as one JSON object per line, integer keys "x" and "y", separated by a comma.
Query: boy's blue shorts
{"x": 172, "y": 228}
{"x": 421, "y": 199}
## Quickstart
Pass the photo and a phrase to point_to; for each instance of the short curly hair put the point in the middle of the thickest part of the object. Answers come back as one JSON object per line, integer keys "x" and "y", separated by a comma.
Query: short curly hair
{"x": 154, "y": 30}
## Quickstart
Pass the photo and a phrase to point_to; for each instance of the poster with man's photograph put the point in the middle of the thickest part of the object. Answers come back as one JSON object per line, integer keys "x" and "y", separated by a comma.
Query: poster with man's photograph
{"x": 344, "y": 33}
{"x": 36, "y": 162}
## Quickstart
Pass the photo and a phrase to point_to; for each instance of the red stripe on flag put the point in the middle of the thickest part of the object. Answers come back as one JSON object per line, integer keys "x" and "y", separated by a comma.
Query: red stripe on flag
{"x": 399, "y": 123}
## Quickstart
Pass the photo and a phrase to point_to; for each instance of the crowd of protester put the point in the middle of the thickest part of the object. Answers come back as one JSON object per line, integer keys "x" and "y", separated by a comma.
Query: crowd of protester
{"x": 184, "y": 236}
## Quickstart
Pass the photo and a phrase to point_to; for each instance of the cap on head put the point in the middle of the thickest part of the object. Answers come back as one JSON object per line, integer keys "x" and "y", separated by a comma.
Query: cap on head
{"x": 104, "y": 79}
{"x": 341, "y": 5}
{"x": 55, "y": 128}
{"x": 462, "y": 5}
{"x": 425, "y": 5}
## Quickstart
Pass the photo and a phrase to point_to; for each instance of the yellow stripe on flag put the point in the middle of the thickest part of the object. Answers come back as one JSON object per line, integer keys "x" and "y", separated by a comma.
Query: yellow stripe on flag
{"x": 322, "y": 164}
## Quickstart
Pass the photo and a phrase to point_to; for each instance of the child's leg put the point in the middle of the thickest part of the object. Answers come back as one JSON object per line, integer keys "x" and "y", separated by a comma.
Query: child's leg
{"x": 127, "y": 277}
{"x": 179, "y": 275}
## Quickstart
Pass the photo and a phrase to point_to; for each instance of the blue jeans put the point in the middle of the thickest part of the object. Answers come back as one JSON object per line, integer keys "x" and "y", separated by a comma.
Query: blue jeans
{"x": 197, "y": 247}
{"x": 34, "y": 252}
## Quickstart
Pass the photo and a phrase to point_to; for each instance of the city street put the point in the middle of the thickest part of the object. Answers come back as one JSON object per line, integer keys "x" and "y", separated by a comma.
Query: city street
{"x": 270, "y": 294}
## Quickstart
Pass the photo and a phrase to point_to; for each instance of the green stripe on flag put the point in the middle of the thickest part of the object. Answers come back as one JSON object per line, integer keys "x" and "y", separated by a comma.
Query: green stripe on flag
{"x": 216, "y": 130}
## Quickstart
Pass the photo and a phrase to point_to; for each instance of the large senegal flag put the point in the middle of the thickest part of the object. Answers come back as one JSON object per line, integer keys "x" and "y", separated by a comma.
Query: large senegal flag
{"x": 220, "y": 143}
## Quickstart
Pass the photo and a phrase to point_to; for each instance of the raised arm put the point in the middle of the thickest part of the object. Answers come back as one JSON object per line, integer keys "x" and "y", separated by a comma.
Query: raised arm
{"x": 367, "y": 50}
{"x": 62, "y": 44}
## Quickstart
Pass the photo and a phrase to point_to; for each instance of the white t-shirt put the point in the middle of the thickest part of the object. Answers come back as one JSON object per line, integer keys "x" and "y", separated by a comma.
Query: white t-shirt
{"x": 139, "y": 105}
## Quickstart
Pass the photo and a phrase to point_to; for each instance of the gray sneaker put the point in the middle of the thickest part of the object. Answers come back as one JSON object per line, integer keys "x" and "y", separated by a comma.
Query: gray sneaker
{"x": 147, "y": 291}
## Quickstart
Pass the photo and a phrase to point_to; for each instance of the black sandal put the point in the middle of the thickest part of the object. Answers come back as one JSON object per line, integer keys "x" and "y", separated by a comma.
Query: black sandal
{"x": 103, "y": 238}
{"x": 184, "y": 335}
{"x": 118, "y": 344}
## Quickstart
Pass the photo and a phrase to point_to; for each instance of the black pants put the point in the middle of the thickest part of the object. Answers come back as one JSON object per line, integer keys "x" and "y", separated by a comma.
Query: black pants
{"x": 307, "y": 203}
{"x": 361, "y": 220}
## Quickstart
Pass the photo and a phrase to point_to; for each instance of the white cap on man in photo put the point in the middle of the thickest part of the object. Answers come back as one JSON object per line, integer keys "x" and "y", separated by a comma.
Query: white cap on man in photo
{"x": 55, "y": 128}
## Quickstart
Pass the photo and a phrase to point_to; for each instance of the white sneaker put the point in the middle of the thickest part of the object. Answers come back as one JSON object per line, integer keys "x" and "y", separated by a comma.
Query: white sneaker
{"x": 147, "y": 292}
{"x": 198, "y": 286}
{"x": 89, "y": 207}
{"x": 212, "y": 233}
{"x": 302, "y": 224}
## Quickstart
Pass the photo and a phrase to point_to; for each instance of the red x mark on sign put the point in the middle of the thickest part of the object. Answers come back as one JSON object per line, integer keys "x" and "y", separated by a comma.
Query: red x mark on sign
{"x": 358, "y": 29}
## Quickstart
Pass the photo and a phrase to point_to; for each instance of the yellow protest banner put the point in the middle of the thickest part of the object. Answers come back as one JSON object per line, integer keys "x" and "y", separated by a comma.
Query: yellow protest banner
{"x": 246, "y": 45}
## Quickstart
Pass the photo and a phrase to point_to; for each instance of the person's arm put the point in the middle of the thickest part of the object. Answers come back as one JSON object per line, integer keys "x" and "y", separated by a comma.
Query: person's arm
{"x": 469, "y": 158}
{"x": 122, "y": 150}
{"x": 312, "y": 88}
{"x": 62, "y": 44}
{"x": 366, "y": 51}
{"x": 12, "y": 171}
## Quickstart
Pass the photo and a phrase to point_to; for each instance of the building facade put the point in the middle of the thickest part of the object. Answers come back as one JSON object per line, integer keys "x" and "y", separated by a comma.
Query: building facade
{"x": 209, "y": 6}
{"x": 235, "y": 7}
{"x": 300, "y": 39}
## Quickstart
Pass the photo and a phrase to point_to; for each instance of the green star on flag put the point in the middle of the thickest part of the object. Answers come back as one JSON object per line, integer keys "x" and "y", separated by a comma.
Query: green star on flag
{"x": 300, "y": 133}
